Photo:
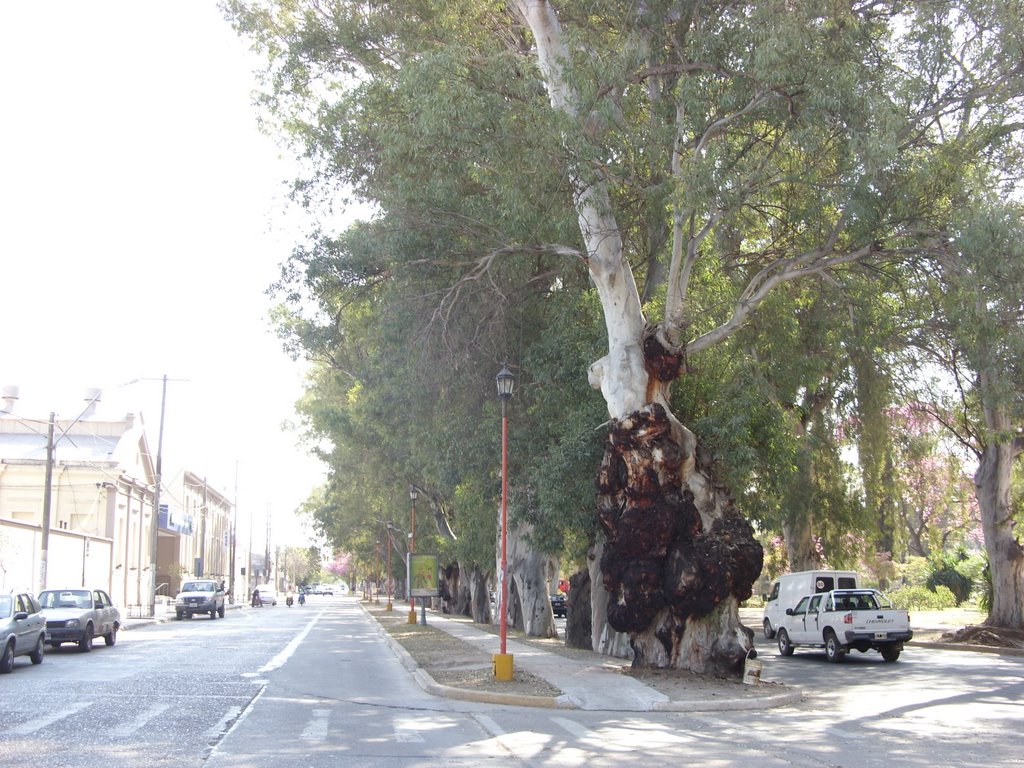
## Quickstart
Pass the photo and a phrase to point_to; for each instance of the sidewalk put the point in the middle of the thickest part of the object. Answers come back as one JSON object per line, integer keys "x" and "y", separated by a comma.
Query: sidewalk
{"x": 594, "y": 683}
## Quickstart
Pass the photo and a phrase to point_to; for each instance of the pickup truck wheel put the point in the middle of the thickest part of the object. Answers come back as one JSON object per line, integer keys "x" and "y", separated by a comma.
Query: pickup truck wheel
{"x": 85, "y": 642}
{"x": 7, "y": 659}
{"x": 220, "y": 611}
{"x": 213, "y": 614}
{"x": 111, "y": 637}
{"x": 768, "y": 633}
{"x": 890, "y": 652}
{"x": 785, "y": 647}
{"x": 37, "y": 655}
{"x": 833, "y": 650}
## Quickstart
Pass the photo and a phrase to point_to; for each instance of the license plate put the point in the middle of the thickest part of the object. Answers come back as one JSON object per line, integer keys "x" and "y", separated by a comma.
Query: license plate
{"x": 880, "y": 635}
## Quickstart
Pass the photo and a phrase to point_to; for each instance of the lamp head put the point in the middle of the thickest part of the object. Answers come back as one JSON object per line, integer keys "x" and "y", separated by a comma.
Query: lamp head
{"x": 506, "y": 382}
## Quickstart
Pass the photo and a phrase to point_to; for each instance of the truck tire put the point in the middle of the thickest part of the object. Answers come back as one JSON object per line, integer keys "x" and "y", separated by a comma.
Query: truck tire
{"x": 833, "y": 649}
{"x": 768, "y": 632}
{"x": 785, "y": 647}
{"x": 890, "y": 652}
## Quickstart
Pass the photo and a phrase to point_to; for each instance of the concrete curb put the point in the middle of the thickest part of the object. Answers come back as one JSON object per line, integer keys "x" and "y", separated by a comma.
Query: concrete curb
{"x": 771, "y": 701}
{"x": 434, "y": 688}
{"x": 992, "y": 649}
{"x": 564, "y": 702}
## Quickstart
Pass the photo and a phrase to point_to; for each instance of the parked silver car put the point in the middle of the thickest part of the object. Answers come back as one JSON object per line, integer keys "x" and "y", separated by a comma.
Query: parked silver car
{"x": 78, "y": 616}
{"x": 22, "y": 629}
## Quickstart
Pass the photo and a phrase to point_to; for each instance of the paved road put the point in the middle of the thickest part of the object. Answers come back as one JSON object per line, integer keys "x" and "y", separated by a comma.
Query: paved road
{"x": 316, "y": 687}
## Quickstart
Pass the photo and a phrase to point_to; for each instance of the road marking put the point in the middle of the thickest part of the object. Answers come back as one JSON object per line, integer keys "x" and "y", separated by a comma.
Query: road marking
{"x": 489, "y": 725}
{"x": 39, "y": 723}
{"x": 316, "y": 728}
{"x": 221, "y": 726}
{"x": 617, "y": 738}
{"x": 283, "y": 656}
{"x": 407, "y": 729}
{"x": 140, "y": 720}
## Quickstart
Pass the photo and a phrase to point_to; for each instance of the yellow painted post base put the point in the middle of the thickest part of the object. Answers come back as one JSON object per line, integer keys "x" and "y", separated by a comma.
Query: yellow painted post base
{"x": 503, "y": 666}
{"x": 388, "y": 606}
{"x": 412, "y": 616}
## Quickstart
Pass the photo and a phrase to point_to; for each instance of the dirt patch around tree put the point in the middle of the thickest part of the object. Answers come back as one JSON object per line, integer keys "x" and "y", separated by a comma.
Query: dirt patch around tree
{"x": 453, "y": 662}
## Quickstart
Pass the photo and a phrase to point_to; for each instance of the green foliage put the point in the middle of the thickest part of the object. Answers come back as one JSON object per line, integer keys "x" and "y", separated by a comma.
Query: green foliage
{"x": 802, "y": 128}
{"x": 945, "y": 573}
{"x": 922, "y": 598}
{"x": 914, "y": 572}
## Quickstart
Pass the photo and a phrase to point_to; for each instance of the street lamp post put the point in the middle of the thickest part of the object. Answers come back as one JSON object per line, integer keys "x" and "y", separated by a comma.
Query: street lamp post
{"x": 390, "y": 526}
{"x": 376, "y": 572}
{"x": 413, "y": 495}
{"x": 503, "y": 662}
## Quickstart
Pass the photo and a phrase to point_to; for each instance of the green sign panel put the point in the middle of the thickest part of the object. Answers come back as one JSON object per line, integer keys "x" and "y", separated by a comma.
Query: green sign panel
{"x": 423, "y": 572}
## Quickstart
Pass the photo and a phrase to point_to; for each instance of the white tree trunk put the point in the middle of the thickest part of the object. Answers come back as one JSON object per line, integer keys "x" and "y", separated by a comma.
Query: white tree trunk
{"x": 651, "y": 484}
{"x": 531, "y": 573}
{"x": 1006, "y": 556}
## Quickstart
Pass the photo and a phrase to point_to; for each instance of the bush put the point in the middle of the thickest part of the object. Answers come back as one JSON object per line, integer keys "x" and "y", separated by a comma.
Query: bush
{"x": 945, "y": 574}
{"x": 922, "y": 598}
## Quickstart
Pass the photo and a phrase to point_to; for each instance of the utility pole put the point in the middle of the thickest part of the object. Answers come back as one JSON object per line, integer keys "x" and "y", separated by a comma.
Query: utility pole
{"x": 47, "y": 504}
{"x": 234, "y": 536}
{"x": 202, "y": 528}
{"x": 156, "y": 498}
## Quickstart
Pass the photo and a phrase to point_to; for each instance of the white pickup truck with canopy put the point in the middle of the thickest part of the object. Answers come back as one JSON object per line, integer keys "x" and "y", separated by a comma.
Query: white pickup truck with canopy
{"x": 844, "y": 620}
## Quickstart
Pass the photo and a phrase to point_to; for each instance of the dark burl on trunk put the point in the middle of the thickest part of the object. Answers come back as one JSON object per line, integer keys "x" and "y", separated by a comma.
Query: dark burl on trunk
{"x": 662, "y": 552}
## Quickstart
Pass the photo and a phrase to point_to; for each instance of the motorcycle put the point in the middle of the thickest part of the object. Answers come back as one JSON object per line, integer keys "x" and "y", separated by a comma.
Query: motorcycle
{"x": 288, "y": 602}
{"x": 302, "y": 599}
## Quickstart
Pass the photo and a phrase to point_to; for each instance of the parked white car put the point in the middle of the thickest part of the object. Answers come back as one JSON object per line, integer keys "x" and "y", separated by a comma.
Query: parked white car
{"x": 22, "y": 629}
{"x": 78, "y": 616}
{"x": 268, "y": 595}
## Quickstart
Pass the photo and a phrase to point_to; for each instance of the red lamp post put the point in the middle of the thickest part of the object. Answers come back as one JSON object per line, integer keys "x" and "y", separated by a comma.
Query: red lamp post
{"x": 503, "y": 663}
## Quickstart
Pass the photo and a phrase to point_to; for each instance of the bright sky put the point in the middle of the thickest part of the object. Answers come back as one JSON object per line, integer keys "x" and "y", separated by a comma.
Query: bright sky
{"x": 143, "y": 218}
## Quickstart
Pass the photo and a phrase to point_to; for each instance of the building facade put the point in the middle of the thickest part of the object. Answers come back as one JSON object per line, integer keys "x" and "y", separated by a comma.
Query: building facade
{"x": 76, "y": 510}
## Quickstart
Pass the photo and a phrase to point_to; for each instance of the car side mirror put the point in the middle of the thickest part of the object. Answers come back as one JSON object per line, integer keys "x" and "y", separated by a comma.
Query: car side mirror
{"x": 21, "y": 615}
{"x": 789, "y": 611}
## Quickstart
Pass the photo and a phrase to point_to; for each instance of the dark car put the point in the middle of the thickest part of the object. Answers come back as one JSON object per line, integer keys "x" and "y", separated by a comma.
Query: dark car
{"x": 559, "y": 605}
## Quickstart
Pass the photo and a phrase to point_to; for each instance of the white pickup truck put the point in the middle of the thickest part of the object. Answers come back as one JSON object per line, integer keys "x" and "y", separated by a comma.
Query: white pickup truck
{"x": 845, "y": 619}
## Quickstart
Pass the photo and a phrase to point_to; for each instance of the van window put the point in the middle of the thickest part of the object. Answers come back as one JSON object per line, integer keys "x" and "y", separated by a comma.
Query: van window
{"x": 824, "y": 584}
{"x": 775, "y": 592}
{"x": 847, "y": 582}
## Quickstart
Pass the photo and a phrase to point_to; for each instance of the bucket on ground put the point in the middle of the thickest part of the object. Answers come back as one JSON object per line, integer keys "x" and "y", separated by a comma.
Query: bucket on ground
{"x": 752, "y": 669}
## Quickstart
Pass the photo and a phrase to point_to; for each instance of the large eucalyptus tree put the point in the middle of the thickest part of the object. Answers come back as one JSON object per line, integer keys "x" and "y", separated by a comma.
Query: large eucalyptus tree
{"x": 708, "y": 151}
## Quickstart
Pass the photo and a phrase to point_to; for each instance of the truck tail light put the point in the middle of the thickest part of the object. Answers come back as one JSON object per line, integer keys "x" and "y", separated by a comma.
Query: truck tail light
{"x": 848, "y": 618}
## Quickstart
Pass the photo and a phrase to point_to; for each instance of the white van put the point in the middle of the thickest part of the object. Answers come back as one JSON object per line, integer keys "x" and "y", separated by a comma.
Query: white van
{"x": 790, "y": 587}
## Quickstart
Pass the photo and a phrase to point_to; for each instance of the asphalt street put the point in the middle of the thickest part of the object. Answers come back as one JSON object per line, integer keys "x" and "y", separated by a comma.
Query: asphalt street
{"x": 317, "y": 687}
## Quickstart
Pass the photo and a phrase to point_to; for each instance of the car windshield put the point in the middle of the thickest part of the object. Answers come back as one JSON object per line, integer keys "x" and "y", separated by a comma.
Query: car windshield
{"x": 198, "y": 586}
{"x": 65, "y": 598}
{"x": 6, "y": 606}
